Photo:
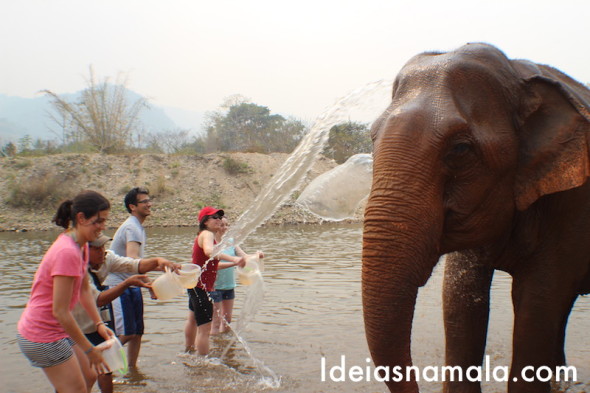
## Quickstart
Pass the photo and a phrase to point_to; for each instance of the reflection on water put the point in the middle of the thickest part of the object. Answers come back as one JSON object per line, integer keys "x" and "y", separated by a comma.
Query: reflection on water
{"x": 312, "y": 309}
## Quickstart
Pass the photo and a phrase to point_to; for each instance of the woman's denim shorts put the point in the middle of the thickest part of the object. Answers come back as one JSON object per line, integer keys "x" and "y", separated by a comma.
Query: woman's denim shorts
{"x": 222, "y": 294}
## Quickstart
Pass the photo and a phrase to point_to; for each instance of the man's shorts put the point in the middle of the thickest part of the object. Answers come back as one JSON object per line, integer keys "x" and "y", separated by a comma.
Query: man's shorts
{"x": 94, "y": 338}
{"x": 222, "y": 294}
{"x": 128, "y": 313}
{"x": 46, "y": 354}
{"x": 199, "y": 303}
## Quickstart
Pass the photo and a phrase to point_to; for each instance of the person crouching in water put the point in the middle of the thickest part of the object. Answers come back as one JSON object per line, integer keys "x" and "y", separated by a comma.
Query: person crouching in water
{"x": 198, "y": 323}
{"x": 100, "y": 265}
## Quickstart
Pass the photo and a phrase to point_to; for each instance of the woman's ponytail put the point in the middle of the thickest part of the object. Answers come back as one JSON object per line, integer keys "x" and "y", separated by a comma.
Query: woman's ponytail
{"x": 64, "y": 215}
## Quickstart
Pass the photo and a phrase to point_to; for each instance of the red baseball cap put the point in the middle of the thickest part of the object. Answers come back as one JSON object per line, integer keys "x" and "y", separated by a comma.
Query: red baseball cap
{"x": 209, "y": 211}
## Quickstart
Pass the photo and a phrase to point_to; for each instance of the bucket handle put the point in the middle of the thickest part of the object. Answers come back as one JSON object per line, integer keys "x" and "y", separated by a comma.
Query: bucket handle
{"x": 170, "y": 272}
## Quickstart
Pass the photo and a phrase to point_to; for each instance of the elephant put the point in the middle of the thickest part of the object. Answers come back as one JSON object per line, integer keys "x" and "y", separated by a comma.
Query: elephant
{"x": 483, "y": 159}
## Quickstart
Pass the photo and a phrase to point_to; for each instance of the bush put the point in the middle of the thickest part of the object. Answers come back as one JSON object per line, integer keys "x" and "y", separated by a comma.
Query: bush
{"x": 234, "y": 167}
{"x": 160, "y": 187}
{"x": 47, "y": 188}
{"x": 20, "y": 163}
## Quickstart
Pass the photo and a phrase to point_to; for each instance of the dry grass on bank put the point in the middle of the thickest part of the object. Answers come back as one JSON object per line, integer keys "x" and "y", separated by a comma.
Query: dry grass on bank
{"x": 31, "y": 188}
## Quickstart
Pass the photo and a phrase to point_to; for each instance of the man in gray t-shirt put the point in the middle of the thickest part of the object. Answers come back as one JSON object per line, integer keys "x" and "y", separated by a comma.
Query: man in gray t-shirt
{"x": 129, "y": 241}
{"x": 130, "y": 231}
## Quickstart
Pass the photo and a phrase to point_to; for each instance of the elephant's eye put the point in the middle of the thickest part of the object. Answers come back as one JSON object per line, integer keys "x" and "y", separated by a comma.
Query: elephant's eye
{"x": 461, "y": 148}
{"x": 460, "y": 155}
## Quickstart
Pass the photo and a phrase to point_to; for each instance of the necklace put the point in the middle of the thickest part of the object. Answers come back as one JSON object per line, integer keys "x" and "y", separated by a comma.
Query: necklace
{"x": 71, "y": 233}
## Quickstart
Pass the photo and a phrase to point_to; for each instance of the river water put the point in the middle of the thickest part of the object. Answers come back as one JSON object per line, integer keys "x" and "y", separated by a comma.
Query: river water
{"x": 311, "y": 310}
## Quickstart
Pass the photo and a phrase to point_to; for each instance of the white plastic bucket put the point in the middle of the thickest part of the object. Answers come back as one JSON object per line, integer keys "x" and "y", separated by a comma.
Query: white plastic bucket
{"x": 167, "y": 286}
{"x": 188, "y": 275}
{"x": 113, "y": 354}
{"x": 250, "y": 272}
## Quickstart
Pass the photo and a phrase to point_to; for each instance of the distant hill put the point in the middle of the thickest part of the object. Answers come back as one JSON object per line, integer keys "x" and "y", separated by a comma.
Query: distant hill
{"x": 30, "y": 116}
{"x": 21, "y": 116}
{"x": 187, "y": 120}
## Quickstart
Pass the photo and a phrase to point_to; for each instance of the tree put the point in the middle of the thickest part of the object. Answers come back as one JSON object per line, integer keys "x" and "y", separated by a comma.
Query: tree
{"x": 101, "y": 117}
{"x": 170, "y": 141}
{"x": 8, "y": 150}
{"x": 288, "y": 135}
{"x": 347, "y": 139}
{"x": 25, "y": 143}
{"x": 41, "y": 146}
{"x": 250, "y": 127}
{"x": 234, "y": 100}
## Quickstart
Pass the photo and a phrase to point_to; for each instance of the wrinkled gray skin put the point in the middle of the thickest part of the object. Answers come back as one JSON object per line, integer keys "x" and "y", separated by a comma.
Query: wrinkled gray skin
{"x": 486, "y": 159}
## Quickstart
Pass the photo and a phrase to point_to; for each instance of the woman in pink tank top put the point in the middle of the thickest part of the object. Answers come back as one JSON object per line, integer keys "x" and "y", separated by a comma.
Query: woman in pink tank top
{"x": 47, "y": 332}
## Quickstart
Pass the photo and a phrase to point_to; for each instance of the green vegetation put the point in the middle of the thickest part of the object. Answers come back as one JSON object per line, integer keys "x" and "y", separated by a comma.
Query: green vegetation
{"x": 235, "y": 167}
{"x": 252, "y": 128}
{"x": 103, "y": 119}
{"x": 348, "y": 139}
{"x": 27, "y": 147}
{"x": 8, "y": 150}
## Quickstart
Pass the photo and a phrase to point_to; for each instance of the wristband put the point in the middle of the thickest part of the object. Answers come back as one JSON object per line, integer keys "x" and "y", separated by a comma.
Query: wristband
{"x": 99, "y": 323}
{"x": 86, "y": 352}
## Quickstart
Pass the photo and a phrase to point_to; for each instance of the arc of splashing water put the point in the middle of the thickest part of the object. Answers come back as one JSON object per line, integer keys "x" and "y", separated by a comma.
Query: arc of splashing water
{"x": 253, "y": 293}
{"x": 292, "y": 173}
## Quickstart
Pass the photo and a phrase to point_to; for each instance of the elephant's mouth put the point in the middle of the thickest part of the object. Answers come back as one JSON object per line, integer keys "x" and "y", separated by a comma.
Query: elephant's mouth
{"x": 458, "y": 233}
{"x": 452, "y": 221}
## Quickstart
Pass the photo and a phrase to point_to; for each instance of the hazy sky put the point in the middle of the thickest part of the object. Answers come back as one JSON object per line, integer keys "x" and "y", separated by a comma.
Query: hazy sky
{"x": 296, "y": 57}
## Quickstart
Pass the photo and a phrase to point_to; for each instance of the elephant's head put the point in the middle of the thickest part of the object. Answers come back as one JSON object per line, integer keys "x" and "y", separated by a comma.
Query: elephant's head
{"x": 470, "y": 138}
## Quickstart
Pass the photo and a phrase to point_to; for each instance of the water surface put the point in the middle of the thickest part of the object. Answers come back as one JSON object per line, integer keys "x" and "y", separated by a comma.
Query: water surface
{"x": 312, "y": 309}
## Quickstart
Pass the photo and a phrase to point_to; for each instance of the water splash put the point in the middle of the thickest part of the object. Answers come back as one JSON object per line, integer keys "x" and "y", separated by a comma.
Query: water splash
{"x": 336, "y": 194}
{"x": 372, "y": 97}
{"x": 252, "y": 303}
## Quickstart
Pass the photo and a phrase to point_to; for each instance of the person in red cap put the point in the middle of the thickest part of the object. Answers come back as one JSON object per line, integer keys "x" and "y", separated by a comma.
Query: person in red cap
{"x": 198, "y": 324}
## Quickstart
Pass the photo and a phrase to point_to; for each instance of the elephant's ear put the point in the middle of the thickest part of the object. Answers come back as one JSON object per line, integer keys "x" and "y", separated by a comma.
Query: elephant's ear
{"x": 554, "y": 134}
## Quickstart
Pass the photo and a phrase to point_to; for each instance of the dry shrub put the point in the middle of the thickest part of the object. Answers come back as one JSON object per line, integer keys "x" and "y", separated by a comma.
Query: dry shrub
{"x": 46, "y": 188}
{"x": 160, "y": 188}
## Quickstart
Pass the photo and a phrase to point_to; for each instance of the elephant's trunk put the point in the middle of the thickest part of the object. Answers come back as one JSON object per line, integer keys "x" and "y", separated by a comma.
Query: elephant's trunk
{"x": 400, "y": 248}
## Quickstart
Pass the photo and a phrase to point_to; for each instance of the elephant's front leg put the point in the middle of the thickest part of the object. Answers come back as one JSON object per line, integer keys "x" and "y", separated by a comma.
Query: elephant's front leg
{"x": 543, "y": 299}
{"x": 466, "y": 301}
